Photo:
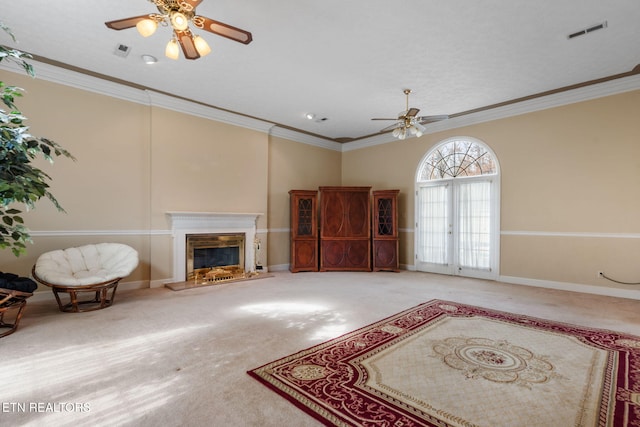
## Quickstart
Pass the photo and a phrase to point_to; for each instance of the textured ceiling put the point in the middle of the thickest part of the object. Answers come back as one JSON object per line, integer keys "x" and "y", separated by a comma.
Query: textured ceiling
{"x": 347, "y": 61}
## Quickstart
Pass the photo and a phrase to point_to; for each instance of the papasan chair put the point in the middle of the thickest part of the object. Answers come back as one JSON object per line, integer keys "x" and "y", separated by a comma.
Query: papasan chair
{"x": 95, "y": 269}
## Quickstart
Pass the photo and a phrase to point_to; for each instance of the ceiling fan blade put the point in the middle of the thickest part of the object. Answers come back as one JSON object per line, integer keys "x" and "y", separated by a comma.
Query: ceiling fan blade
{"x": 391, "y": 127}
{"x": 122, "y": 24}
{"x": 189, "y": 5}
{"x": 377, "y": 118}
{"x": 185, "y": 38}
{"x": 222, "y": 29}
{"x": 412, "y": 112}
{"x": 430, "y": 119}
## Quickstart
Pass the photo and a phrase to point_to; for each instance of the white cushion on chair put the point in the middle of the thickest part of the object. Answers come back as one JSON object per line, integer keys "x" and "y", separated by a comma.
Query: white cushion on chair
{"x": 87, "y": 265}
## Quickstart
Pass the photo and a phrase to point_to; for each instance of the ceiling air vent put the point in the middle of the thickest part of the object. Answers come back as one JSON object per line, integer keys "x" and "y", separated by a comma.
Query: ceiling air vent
{"x": 587, "y": 30}
{"x": 122, "y": 50}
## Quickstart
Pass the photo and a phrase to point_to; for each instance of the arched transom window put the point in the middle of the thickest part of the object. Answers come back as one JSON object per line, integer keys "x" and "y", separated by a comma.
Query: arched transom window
{"x": 457, "y": 158}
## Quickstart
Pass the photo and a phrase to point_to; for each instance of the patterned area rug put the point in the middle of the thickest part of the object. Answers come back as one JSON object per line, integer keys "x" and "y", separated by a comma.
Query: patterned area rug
{"x": 448, "y": 364}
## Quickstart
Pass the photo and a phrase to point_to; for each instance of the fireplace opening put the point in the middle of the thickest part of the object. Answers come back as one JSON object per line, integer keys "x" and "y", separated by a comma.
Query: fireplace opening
{"x": 214, "y": 257}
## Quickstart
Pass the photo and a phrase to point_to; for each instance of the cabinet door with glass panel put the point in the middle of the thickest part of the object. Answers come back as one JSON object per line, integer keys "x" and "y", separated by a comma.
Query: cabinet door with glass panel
{"x": 304, "y": 230}
{"x": 385, "y": 230}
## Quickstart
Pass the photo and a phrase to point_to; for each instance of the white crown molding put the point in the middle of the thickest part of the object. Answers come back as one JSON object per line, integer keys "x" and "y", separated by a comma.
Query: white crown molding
{"x": 372, "y": 141}
{"x": 199, "y": 110}
{"x": 147, "y": 97}
{"x": 101, "y": 86}
{"x": 305, "y": 138}
{"x": 81, "y": 81}
{"x": 585, "y": 93}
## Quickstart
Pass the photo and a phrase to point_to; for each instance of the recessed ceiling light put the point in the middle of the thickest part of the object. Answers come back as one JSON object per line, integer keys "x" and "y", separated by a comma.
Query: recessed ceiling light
{"x": 149, "y": 59}
{"x": 310, "y": 116}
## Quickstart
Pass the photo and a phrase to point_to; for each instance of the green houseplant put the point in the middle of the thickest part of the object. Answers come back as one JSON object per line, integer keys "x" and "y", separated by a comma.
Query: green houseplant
{"x": 20, "y": 181}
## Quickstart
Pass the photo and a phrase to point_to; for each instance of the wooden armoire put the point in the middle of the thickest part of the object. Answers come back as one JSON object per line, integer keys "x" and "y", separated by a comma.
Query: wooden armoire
{"x": 304, "y": 230}
{"x": 385, "y": 230}
{"x": 345, "y": 228}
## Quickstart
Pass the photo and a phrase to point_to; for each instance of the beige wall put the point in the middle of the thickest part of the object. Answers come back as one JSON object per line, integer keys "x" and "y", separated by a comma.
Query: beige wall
{"x": 134, "y": 163}
{"x": 571, "y": 170}
{"x": 568, "y": 181}
{"x": 110, "y": 140}
{"x": 294, "y": 166}
{"x": 389, "y": 166}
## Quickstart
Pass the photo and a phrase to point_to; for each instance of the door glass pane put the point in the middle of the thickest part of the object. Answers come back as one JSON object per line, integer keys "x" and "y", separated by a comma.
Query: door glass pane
{"x": 474, "y": 224}
{"x": 433, "y": 226}
{"x": 305, "y": 217}
{"x": 385, "y": 217}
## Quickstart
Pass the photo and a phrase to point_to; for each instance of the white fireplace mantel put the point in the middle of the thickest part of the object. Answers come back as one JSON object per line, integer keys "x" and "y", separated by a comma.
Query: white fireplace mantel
{"x": 183, "y": 223}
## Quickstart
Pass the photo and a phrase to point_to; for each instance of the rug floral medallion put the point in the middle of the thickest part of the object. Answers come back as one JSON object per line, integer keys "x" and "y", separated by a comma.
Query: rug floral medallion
{"x": 448, "y": 364}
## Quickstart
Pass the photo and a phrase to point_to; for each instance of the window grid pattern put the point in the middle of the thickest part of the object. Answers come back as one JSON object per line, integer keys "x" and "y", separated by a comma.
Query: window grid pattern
{"x": 457, "y": 159}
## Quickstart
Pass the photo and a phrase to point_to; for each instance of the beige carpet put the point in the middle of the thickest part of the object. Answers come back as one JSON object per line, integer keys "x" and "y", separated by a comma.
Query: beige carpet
{"x": 448, "y": 364}
{"x": 159, "y": 357}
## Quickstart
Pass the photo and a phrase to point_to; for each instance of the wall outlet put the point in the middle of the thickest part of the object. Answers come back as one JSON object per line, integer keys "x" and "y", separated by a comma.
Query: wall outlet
{"x": 600, "y": 274}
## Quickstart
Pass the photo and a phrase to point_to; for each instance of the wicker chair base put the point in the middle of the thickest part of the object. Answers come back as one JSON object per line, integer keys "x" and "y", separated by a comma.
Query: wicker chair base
{"x": 101, "y": 295}
{"x": 12, "y": 304}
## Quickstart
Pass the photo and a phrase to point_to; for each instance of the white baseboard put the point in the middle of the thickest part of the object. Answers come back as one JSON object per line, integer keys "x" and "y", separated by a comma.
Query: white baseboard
{"x": 573, "y": 287}
{"x": 128, "y": 286}
{"x": 159, "y": 283}
{"x": 547, "y": 284}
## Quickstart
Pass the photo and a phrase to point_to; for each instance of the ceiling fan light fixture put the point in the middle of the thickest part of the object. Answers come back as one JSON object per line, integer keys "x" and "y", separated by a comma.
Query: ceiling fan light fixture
{"x": 172, "y": 51}
{"x": 408, "y": 122}
{"x": 146, "y": 27}
{"x": 179, "y": 15}
{"x": 201, "y": 46}
{"x": 179, "y": 21}
{"x": 417, "y": 129}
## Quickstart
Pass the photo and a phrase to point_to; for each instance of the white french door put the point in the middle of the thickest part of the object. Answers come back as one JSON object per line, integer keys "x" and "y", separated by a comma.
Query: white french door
{"x": 457, "y": 227}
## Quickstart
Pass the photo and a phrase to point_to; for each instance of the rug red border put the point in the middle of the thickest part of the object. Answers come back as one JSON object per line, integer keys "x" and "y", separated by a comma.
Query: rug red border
{"x": 622, "y": 386}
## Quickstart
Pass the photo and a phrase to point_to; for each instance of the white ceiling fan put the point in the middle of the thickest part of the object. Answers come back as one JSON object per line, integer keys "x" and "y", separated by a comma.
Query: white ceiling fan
{"x": 408, "y": 122}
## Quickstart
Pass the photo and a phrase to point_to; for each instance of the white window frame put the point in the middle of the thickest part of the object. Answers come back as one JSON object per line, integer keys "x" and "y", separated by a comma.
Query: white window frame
{"x": 454, "y": 269}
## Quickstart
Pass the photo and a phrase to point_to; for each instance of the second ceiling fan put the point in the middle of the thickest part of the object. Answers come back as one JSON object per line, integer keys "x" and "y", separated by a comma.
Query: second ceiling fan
{"x": 408, "y": 122}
